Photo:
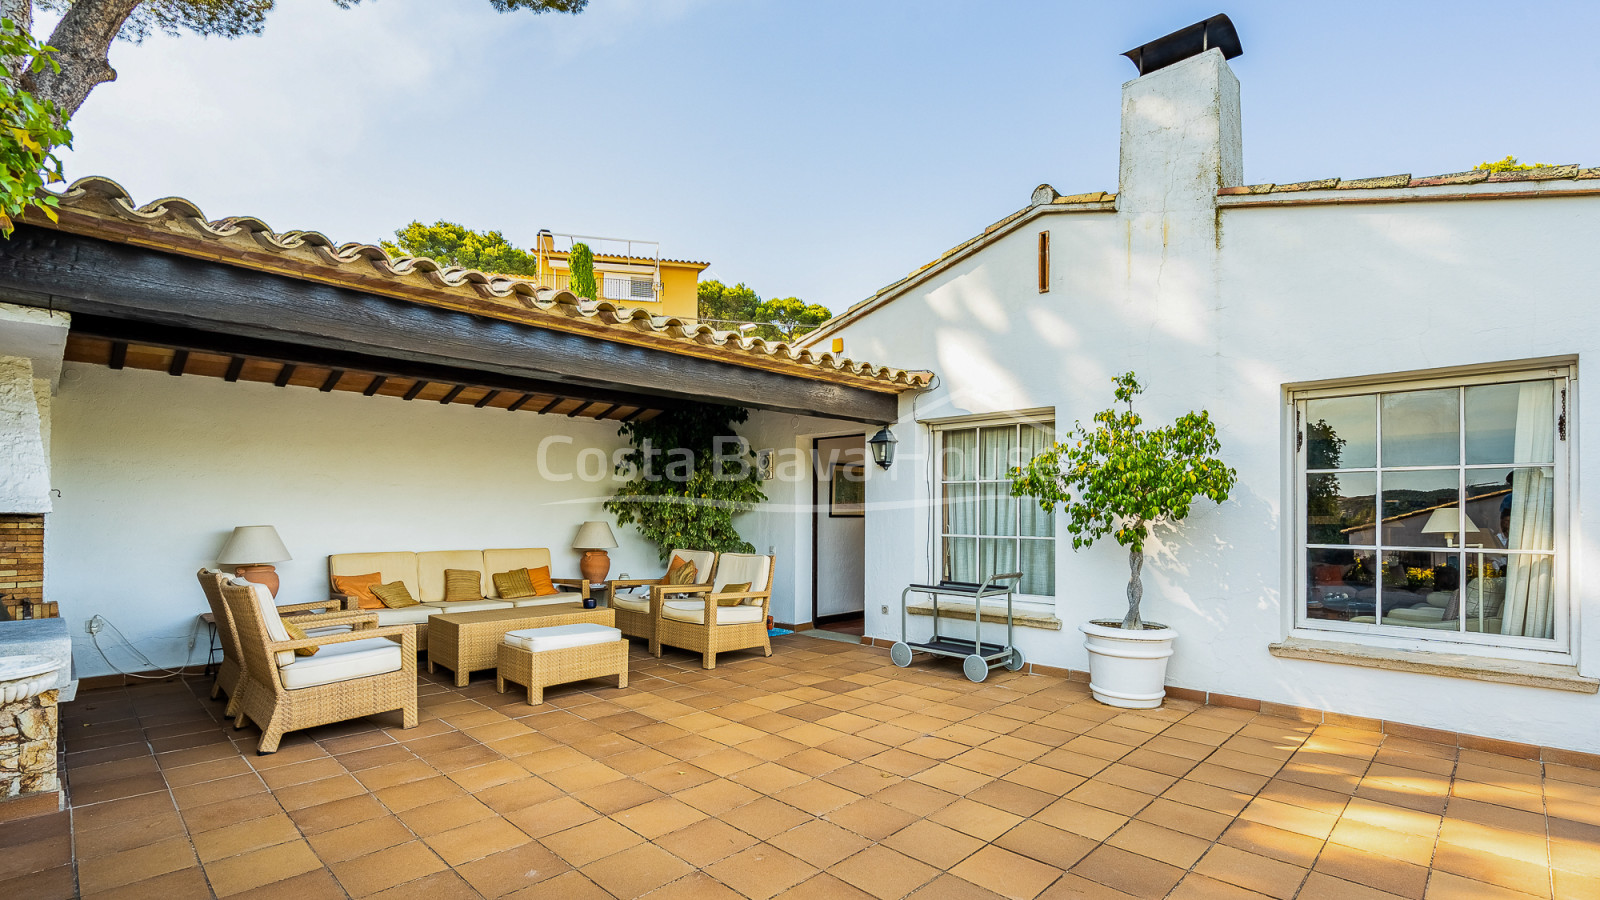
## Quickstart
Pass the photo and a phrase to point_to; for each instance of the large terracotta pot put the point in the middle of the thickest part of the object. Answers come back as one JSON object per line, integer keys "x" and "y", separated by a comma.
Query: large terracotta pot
{"x": 594, "y": 565}
{"x": 1128, "y": 669}
{"x": 260, "y": 574}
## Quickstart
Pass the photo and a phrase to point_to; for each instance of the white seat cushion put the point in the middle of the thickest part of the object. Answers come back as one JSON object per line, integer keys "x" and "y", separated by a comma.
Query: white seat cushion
{"x": 695, "y": 611}
{"x": 560, "y": 637}
{"x": 546, "y": 600}
{"x": 410, "y": 615}
{"x": 342, "y": 662}
{"x": 458, "y": 606}
{"x": 326, "y": 629}
{"x": 631, "y": 602}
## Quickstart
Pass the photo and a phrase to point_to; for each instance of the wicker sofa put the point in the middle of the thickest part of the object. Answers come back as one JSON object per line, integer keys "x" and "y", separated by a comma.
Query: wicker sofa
{"x": 423, "y": 574}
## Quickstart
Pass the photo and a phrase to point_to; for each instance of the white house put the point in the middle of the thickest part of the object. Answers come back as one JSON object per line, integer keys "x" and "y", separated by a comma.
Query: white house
{"x": 1393, "y": 365}
{"x": 1415, "y": 343}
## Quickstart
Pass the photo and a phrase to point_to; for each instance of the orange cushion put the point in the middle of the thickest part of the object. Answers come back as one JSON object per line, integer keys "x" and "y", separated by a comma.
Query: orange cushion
{"x": 681, "y": 571}
{"x": 360, "y": 587}
{"x": 542, "y": 585}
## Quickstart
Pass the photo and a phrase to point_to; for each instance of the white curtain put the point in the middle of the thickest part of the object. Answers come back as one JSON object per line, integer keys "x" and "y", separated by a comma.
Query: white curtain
{"x": 1529, "y": 608}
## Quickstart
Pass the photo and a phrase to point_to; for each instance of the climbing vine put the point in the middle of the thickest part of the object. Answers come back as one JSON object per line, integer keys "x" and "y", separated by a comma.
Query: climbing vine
{"x": 691, "y": 474}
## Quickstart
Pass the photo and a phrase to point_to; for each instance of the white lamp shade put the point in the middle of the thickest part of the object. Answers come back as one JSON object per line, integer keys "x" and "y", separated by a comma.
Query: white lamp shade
{"x": 594, "y": 536}
{"x": 1447, "y": 521}
{"x": 253, "y": 544}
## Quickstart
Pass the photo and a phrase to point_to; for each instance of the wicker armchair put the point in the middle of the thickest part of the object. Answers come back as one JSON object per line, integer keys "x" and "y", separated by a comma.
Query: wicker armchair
{"x": 360, "y": 672}
{"x": 636, "y": 615}
{"x": 703, "y": 624}
{"x": 228, "y": 671}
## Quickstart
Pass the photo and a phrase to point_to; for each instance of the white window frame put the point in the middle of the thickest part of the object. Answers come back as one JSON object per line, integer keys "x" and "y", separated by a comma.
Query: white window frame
{"x": 1021, "y": 419}
{"x": 1565, "y": 377}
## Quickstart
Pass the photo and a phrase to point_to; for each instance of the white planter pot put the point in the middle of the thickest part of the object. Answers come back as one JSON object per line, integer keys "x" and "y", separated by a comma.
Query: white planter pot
{"x": 1128, "y": 669}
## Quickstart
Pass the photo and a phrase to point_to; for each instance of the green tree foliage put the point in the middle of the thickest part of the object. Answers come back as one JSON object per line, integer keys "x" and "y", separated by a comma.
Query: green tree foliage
{"x": 1509, "y": 164}
{"x": 580, "y": 262}
{"x": 30, "y": 134}
{"x": 457, "y": 245}
{"x": 691, "y": 474}
{"x": 728, "y": 304}
{"x": 1121, "y": 478}
{"x": 790, "y": 317}
{"x": 778, "y": 319}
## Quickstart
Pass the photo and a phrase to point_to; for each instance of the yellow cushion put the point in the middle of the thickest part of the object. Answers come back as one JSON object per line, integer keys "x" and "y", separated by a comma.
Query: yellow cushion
{"x": 296, "y": 633}
{"x": 681, "y": 571}
{"x": 738, "y": 588}
{"x": 542, "y": 585}
{"x": 360, "y": 587}
{"x": 514, "y": 585}
{"x": 395, "y": 595}
{"x": 462, "y": 584}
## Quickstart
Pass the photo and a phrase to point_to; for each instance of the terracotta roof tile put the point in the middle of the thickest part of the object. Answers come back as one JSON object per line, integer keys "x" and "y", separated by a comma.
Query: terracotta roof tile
{"x": 1382, "y": 181}
{"x": 99, "y": 207}
{"x": 1475, "y": 176}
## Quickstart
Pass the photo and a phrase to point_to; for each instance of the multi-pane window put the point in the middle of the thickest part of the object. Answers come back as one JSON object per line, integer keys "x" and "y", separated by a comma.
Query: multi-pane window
{"x": 1437, "y": 510}
{"x": 983, "y": 530}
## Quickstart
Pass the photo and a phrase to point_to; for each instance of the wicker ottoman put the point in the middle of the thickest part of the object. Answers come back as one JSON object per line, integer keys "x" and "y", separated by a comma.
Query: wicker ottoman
{"x": 557, "y": 654}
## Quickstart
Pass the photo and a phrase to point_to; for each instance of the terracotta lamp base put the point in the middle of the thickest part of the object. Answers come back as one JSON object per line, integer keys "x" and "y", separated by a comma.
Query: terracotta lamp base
{"x": 260, "y": 574}
{"x": 594, "y": 565}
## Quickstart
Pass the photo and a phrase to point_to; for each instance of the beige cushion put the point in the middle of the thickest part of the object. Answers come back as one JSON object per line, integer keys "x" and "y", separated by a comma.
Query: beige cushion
{"x": 400, "y": 565}
{"x": 464, "y": 584}
{"x": 342, "y": 662}
{"x": 514, "y": 558}
{"x": 411, "y": 615}
{"x": 431, "y": 566}
{"x": 695, "y": 611}
{"x": 704, "y": 561}
{"x": 631, "y": 602}
{"x": 733, "y": 568}
{"x": 560, "y": 637}
{"x": 546, "y": 600}
{"x": 441, "y": 607}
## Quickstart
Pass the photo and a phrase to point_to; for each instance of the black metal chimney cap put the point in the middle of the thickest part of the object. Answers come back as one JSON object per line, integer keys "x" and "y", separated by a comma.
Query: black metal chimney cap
{"x": 1178, "y": 46}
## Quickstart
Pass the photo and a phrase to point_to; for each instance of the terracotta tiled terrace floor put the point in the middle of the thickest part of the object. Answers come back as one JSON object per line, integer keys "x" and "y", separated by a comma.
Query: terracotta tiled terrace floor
{"x": 821, "y": 772}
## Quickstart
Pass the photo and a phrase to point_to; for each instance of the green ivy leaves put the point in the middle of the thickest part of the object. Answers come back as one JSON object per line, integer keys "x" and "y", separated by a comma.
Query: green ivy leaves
{"x": 694, "y": 511}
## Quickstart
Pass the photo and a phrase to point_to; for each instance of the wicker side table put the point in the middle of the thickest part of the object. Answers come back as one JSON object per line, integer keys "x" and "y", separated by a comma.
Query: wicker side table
{"x": 466, "y": 642}
{"x": 539, "y": 670}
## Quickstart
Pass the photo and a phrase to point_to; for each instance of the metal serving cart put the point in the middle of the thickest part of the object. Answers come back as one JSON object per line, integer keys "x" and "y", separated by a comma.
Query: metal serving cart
{"x": 977, "y": 657}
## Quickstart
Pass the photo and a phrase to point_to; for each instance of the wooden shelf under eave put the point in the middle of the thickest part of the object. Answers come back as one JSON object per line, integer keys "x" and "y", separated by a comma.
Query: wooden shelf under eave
{"x": 99, "y": 351}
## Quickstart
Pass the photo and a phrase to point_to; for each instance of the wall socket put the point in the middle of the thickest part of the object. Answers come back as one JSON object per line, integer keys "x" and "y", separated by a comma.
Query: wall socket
{"x": 92, "y": 625}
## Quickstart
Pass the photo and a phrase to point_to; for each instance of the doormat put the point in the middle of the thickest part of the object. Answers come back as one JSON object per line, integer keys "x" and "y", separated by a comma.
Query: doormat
{"x": 778, "y": 632}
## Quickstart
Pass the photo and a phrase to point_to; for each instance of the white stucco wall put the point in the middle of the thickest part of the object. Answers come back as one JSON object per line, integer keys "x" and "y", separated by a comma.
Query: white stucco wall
{"x": 156, "y": 471}
{"x": 1275, "y": 297}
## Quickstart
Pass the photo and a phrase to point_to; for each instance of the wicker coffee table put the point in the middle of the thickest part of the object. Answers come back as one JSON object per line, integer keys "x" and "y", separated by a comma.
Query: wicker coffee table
{"x": 466, "y": 642}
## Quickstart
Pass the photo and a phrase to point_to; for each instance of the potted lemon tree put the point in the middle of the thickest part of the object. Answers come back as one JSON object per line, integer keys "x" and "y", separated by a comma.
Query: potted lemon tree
{"x": 1120, "y": 478}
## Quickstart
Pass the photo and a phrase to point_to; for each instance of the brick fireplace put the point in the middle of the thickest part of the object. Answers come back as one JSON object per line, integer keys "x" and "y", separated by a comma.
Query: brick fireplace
{"x": 22, "y": 567}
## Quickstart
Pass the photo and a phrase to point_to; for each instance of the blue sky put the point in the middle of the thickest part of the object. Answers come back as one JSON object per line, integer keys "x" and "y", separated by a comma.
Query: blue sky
{"x": 819, "y": 149}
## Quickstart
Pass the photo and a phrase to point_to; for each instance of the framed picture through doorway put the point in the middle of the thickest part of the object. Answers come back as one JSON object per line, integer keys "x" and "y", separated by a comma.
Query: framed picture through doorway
{"x": 847, "y": 492}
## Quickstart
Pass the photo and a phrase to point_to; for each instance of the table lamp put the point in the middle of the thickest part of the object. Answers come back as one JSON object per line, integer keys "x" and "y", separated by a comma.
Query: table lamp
{"x": 594, "y": 539}
{"x": 252, "y": 549}
{"x": 1444, "y": 521}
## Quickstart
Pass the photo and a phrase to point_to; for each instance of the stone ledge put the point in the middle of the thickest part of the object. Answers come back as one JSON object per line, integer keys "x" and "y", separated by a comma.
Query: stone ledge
{"x": 964, "y": 612}
{"x": 1451, "y": 665}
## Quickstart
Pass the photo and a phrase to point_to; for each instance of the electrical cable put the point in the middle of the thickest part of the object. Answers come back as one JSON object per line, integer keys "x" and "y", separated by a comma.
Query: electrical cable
{"x": 94, "y": 638}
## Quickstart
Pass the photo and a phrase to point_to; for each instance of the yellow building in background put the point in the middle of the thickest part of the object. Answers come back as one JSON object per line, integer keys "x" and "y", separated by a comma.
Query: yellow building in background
{"x": 665, "y": 287}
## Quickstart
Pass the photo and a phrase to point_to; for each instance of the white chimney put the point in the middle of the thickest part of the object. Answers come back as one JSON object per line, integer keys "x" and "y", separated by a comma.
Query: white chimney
{"x": 1181, "y": 137}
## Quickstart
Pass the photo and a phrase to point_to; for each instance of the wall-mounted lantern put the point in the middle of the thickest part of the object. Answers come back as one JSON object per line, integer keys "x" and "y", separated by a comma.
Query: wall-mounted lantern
{"x": 883, "y": 447}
